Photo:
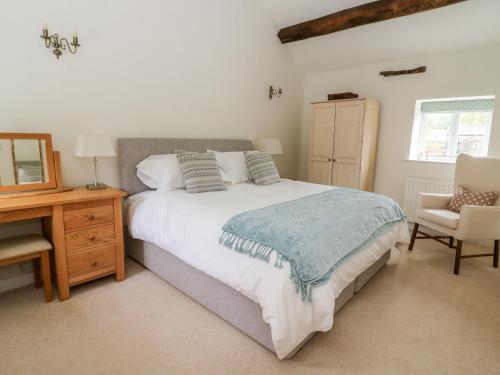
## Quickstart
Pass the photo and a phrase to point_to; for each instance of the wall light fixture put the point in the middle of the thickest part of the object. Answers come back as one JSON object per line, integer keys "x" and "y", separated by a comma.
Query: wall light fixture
{"x": 274, "y": 92}
{"x": 59, "y": 44}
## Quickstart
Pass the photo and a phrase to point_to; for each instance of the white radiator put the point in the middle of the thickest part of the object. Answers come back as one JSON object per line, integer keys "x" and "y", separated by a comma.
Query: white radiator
{"x": 418, "y": 185}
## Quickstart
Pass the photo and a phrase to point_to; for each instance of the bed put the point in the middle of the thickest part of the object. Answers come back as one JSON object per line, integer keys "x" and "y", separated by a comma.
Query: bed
{"x": 174, "y": 234}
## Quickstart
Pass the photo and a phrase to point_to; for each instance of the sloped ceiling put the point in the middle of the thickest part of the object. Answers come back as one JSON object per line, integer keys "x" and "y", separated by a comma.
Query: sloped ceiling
{"x": 460, "y": 26}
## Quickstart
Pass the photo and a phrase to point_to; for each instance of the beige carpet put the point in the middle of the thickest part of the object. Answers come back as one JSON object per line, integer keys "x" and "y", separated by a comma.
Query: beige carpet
{"x": 414, "y": 317}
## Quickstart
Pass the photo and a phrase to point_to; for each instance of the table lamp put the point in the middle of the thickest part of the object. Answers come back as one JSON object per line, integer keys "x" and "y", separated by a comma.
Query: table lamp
{"x": 94, "y": 146}
{"x": 270, "y": 146}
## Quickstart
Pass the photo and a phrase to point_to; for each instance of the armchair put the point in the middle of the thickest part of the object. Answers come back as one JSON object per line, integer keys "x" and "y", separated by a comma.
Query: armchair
{"x": 473, "y": 222}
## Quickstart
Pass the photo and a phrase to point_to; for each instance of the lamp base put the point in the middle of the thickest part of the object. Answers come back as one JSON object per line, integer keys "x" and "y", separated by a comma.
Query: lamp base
{"x": 97, "y": 186}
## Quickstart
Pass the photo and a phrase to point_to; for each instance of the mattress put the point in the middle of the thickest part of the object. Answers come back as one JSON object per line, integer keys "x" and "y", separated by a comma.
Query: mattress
{"x": 189, "y": 225}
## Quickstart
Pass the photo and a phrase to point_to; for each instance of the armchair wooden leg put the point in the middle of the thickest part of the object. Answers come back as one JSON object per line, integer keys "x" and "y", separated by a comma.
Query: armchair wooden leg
{"x": 413, "y": 236}
{"x": 496, "y": 253}
{"x": 452, "y": 242}
{"x": 36, "y": 273}
{"x": 458, "y": 256}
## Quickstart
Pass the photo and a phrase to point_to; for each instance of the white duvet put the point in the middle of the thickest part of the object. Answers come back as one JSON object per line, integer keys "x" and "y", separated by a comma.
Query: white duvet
{"x": 189, "y": 226}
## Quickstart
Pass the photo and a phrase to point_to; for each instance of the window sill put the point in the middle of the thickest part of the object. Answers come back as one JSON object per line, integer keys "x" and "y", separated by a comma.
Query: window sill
{"x": 430, "y": 161}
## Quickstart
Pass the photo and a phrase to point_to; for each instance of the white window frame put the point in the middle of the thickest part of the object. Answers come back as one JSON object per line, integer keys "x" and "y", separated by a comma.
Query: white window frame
{"x": 418, "y": 134}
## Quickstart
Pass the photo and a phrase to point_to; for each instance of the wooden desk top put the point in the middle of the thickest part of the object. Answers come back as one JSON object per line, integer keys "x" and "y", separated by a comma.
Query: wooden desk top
{"x": 73, "y": 196}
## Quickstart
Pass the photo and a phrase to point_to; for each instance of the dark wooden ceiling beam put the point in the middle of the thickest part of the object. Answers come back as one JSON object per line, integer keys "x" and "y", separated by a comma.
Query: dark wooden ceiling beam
{"x": 375, "y": 11}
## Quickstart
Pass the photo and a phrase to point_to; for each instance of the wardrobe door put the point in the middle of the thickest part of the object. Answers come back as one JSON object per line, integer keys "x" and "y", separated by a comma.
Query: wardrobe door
{"x": 321, "y": 144}
{"x": 347, "y": 143}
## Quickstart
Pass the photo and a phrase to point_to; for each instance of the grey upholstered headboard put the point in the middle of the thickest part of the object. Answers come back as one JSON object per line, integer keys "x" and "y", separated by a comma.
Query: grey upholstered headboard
{"x": 131, "y": 151}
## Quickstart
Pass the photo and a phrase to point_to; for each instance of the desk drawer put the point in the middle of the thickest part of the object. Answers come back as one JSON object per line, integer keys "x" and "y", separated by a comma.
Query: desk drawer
{"x": 83, "y": 217}
{"x": 91, "y": 263}
{"x": 90, "y": 236}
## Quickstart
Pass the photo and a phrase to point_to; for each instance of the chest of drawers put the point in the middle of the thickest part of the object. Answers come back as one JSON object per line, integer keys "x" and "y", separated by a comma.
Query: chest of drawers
{"x": 93, "y": 239}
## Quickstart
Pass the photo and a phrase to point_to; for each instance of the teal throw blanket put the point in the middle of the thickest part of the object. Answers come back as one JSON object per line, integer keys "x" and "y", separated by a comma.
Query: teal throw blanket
{"x": 315, "y": 234}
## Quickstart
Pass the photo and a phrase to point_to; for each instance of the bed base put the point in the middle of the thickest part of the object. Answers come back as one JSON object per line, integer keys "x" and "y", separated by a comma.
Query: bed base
{"x": 235, "y": 308}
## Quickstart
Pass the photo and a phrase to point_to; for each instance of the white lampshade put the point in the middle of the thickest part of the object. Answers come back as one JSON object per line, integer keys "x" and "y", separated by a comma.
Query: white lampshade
{"x": 93, "y": 145}
{"x": 270, "y": 146}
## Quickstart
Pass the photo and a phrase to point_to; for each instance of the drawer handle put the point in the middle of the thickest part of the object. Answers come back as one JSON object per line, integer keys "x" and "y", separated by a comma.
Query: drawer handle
{"x": 92, "y": 238}
{"x": 93, "y": 263}
{"x": 91, "y": 217}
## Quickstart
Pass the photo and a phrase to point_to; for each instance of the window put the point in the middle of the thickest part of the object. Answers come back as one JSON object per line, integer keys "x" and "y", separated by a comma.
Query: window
{"x": 445, "y": 128}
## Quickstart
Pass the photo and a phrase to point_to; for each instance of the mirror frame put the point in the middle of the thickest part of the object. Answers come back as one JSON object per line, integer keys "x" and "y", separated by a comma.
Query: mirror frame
{"x": 52, "y": 183}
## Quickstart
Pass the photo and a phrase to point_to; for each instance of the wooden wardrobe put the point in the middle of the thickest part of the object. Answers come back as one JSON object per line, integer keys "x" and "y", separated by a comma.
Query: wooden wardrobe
{"x": 343, "y": 143}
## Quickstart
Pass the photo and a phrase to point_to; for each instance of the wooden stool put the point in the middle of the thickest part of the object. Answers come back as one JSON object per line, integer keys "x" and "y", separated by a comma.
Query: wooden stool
{"x": 31, "y": 247}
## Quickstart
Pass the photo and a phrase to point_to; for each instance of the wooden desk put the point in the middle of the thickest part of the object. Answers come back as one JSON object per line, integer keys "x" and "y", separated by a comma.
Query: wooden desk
{"x": 85, "y": 228}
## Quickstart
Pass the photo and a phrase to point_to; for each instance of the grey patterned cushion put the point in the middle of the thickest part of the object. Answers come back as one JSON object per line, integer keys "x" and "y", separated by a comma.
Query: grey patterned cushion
{"x": 200, "y": 171}
{"x": 261, "y": 168}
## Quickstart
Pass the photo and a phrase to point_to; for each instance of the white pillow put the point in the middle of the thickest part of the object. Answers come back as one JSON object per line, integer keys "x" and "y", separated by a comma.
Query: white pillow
{"x": 233, "y": 166}
{"x": 161, "y": 172}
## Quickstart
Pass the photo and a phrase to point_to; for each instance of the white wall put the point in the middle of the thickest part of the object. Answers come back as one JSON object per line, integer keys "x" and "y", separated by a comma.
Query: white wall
{"x": 153, "y": 68}
{"x": 7, "y": 176}
{"x": 453, "y": 74}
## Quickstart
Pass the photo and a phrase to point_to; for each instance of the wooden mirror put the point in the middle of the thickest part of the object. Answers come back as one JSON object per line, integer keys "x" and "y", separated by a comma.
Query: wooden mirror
{"x": 26, "y": 162}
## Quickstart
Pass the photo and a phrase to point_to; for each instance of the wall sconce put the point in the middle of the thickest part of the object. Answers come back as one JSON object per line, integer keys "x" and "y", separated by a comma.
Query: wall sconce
{"x": 59, "y": 44}
{"x": 274, "y": 92}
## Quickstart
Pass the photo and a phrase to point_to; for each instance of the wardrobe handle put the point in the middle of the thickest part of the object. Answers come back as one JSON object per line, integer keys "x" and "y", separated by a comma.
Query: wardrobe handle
{"x": 329, "y": 159}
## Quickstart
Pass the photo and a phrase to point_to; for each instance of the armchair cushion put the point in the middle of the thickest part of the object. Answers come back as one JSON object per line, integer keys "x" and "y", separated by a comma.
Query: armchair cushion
{"x": 465, "y": 197}
{"x": 442, "y": 217}
{"x": 437, "y": 201}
